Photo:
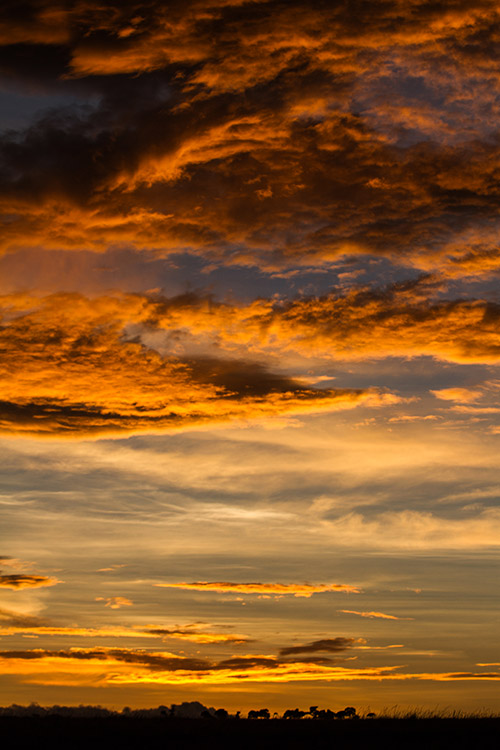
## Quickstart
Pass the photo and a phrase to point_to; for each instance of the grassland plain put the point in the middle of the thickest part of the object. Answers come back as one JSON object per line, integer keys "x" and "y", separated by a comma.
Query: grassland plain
{"x": 129, "y": 731}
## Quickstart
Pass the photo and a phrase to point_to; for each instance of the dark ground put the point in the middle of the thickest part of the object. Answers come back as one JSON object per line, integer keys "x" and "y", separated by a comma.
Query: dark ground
{"x": 41, "y": 733}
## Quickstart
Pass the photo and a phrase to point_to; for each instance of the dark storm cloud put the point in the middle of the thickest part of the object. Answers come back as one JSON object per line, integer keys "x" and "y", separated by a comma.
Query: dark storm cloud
{"x": 259, "y": 132}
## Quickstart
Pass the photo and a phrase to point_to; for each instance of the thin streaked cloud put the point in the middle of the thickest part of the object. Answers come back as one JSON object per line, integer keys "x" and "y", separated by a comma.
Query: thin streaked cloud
{"x": 376, "y": 615}
{"x": 303, "y": 590}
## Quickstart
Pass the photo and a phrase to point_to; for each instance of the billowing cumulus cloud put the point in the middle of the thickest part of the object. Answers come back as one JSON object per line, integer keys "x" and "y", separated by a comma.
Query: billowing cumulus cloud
{"x": 304, "y": 590}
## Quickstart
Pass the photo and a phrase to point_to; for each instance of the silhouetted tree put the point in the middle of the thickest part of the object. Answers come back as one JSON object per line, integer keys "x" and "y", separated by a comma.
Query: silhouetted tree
{"x": 348, "y": 713}
{"x": 262, "y": 713}
{"x": 293, "y": 713}
{"x": 221, "y": 713}
{"x": 321, "y": 713}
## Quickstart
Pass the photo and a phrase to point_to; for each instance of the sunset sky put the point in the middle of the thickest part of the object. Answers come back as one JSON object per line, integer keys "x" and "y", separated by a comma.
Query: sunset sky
{"x": 250, "y": 349}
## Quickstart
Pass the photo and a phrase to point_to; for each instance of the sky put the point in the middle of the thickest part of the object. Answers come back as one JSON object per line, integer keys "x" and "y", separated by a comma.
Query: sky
{"x": 250, "y": 338}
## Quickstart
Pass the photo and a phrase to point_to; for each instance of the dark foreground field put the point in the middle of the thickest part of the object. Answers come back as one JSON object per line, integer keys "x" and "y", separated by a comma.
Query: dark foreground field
{"x": 179, "y": 734}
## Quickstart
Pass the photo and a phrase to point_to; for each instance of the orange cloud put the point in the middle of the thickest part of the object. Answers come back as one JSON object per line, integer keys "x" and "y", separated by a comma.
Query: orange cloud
{"x": 462, "y": 395}
{"x": 115, "y": 602}
{"x": 127, "y": 204}
{"x": 16, "y": 624}
{"x": 12, "y": 623}
{"x": 13, "y": 562}
{"x": 134, "y": 363}
{"x": 395, "y": 322}
{"x": 261, "y": 106}
{"x": 121, "y": 666}
{"x": 54, "y": 630}
{"x": 73, "y": 365}
{"x": 197, "y": 636}
{"x": 304, "y": 590}
{"x": 381, "y": 615}
{"x": 22, "y": 581}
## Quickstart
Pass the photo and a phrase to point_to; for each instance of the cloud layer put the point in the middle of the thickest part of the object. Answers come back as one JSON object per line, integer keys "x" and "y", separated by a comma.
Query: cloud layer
{"x": 74, "y": 365}
{"x": 258, "y": 133}
{"x": 80, "y": 666}
{"x": 77, "y": 365}
{"x": 220, "y": 214}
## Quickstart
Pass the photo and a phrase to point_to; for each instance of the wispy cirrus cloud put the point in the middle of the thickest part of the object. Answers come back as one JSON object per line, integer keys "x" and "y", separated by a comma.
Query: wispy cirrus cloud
{"x": 413, "y": 530}
{"x": 14, "y": 563}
